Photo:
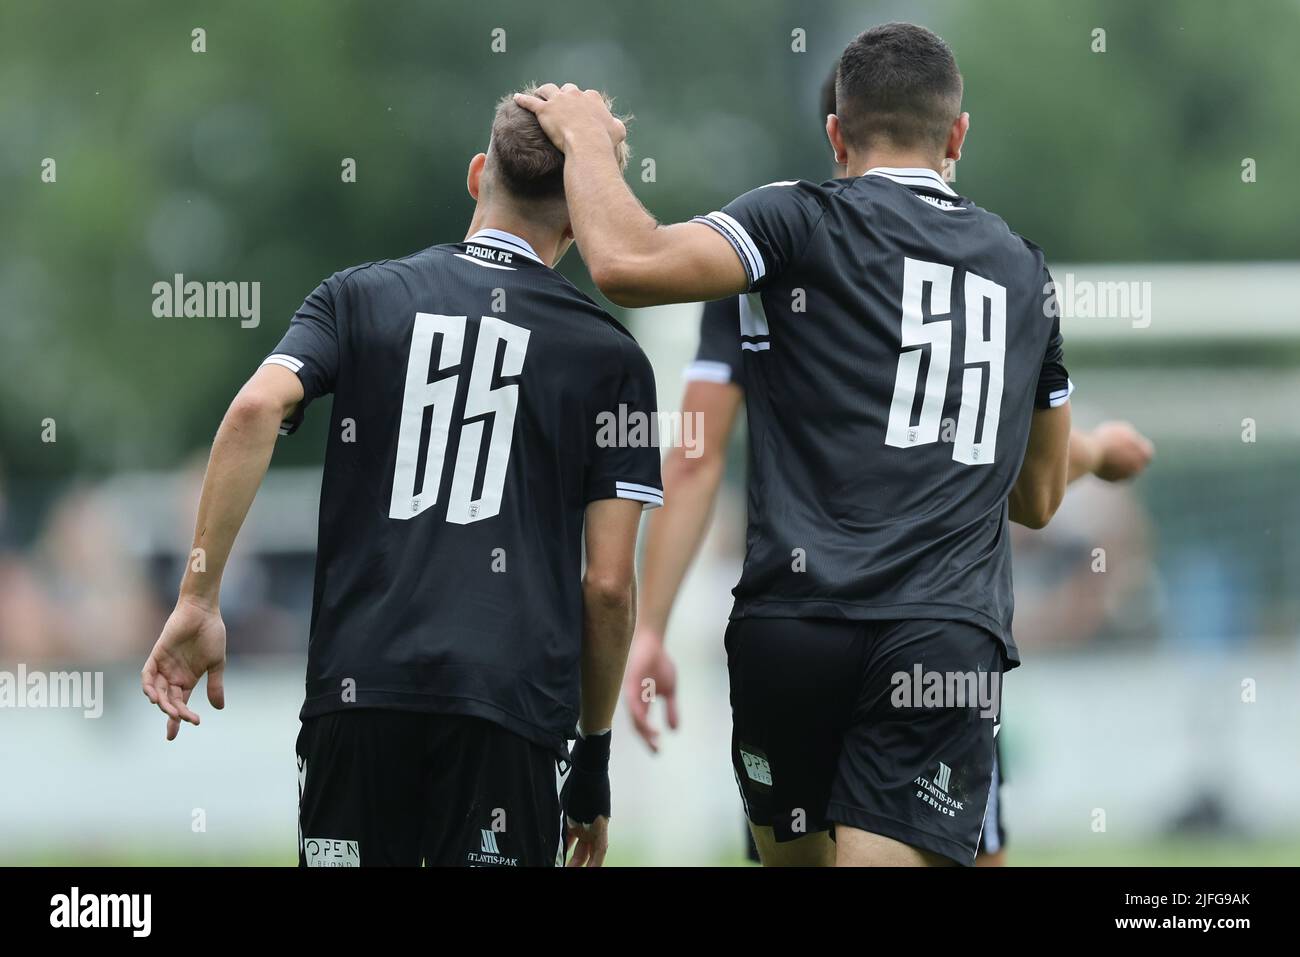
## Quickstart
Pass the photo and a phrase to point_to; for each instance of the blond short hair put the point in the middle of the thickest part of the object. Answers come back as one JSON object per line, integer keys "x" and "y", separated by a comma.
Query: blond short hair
{"x": 523, "y": 159}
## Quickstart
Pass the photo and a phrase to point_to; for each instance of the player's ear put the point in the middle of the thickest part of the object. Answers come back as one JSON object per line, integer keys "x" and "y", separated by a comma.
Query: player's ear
{"x": 836, "y": 136}
{"x": 474, "y": 178}
{"x": 957, "y": 136}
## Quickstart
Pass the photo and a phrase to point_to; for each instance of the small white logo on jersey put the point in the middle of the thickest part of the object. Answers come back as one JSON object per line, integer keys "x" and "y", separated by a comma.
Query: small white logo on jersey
{"x": 491, "y": 255}
{"x": 941, "y": 779}
{"x": 940, "y": 203}
{"x": 331, "y": 852}
{"x": 489, "y": 845}
{"x": 757, "y": 768}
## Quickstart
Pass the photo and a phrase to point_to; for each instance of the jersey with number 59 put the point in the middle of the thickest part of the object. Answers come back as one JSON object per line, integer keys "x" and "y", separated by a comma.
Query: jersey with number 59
{"x": 896, "y": 340}
{"x": 477, "y": 402}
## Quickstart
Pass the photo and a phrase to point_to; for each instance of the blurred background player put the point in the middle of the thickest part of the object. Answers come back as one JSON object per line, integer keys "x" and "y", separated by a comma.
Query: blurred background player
{"x": 715, "y": 393}
{"x": 456, "y": 644}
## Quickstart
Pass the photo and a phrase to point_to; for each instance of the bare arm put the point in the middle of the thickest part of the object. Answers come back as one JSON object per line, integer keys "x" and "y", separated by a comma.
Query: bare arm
{"x": 608, "y": 614}
{"x": 1041, "y": 484}
{"x": 1113, "y": 451}
{"x": 1085, "y": 454}
{"x": 674, "y": 532}
{"x": 240, "y": 455}
{"x": 673, "y": 536}
{"x": 608, "y": 607}
{"x": 193, "y": 641}
{"x": 634, "y": 260}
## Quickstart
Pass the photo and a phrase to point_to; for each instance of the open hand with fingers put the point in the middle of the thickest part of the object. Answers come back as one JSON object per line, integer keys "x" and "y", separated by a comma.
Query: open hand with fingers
{"x": 651, "y": 677}
{"x": 569, "y": 115}
{"x": 192, "y": 644}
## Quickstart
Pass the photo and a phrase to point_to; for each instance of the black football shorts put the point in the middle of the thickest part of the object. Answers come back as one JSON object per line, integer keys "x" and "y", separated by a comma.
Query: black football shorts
{"x": 404, "y": 788}
{"x": 885, "y": 726}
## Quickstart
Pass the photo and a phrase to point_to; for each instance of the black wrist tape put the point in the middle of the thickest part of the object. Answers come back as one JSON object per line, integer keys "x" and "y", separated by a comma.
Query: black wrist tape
{"x": 585, "y": 795}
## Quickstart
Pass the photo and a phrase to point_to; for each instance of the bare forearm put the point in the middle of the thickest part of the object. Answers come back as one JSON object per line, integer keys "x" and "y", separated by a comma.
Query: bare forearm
{"x": 1045, "y": 469}
{"x": 610, "y": 225}
{"x": 240, "y": 455}
{"x": 633, "y": 260}
{"x": 608, "y": 617}
{"x": 674, "y": 533}
{"x": 1085, "y": 454}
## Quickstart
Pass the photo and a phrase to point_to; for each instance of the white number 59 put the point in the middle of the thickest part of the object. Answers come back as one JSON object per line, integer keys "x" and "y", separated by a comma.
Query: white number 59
{"x": 980, "y": 389}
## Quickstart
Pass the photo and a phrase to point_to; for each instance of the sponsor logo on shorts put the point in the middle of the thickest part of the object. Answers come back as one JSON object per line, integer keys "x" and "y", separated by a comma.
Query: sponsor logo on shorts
{"x": 934, "y": 792}
{"x": 756, "y": 767}
{"x": 331, "y": 852}
{"x": 489, "y": 852}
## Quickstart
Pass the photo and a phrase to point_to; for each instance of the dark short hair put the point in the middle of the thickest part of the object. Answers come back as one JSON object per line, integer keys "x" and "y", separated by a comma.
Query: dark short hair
{"x": 897, "y": 83}
{"x": 522, "y": 157}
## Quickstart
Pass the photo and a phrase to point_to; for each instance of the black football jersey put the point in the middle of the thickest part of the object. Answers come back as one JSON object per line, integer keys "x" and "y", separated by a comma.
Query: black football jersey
{"x": 718, "y": 357}
{"x": 474, "y": 390}
{"x": 896, "y": 340}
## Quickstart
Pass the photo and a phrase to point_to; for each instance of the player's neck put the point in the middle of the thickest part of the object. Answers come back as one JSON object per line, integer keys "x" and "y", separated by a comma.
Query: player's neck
{"x": 544, "y": 241}
{"x": 891, "y": 159}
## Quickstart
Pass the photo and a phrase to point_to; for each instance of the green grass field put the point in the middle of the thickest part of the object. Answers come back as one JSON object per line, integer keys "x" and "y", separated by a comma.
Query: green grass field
{"x": 1171, "y": 853}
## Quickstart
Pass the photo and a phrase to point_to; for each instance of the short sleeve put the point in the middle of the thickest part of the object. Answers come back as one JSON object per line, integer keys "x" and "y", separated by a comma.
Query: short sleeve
{"x": 310, "y": 347}
{"x": 718, "y": 357}
{"x": 770, "y": 227}
{"x": 1054, "y": 385}
{"x": 625, "y": 459}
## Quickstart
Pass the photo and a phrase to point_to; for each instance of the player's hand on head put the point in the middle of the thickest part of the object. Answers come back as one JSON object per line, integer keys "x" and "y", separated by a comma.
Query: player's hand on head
{"x": 568, "y": 112}
{"x": 192, "y": 644}
{"x": 651, "y": 677}
{"x": 587, "y": 844}
{"x": 1125, "y": 452}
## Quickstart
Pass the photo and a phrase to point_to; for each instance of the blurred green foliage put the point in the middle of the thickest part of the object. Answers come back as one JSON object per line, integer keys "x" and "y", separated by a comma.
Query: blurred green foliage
{"x": 225, "y": 165}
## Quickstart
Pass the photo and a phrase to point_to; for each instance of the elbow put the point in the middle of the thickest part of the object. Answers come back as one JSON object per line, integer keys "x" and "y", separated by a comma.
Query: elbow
{"x": 1036, "y": 509}
{"x": 251, "y": 410}
{"x": 616, "y": 286}
{"x": 608, "y": 592}
{"x": 619, "y": 280}
{"x": 703, "y": 468}
{"x": 1034, "y": 519}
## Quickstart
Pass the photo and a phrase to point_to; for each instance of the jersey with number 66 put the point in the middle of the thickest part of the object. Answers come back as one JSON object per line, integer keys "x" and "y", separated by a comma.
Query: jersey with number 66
{"x": 480, "y": 403}
{"x": 896, "y": 340}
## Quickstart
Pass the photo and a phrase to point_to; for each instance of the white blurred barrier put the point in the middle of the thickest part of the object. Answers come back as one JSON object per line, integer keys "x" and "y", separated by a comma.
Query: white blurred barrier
{"x": 1139, "y": 737}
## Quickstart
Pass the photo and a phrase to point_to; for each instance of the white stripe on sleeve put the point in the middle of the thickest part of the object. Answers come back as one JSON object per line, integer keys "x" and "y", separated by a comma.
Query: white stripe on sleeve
{"x": 707, "y": 370}
{"x": 735, "y": 232}
{"x": 1061, "y": 396}
{"x": 280, "y": 359}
